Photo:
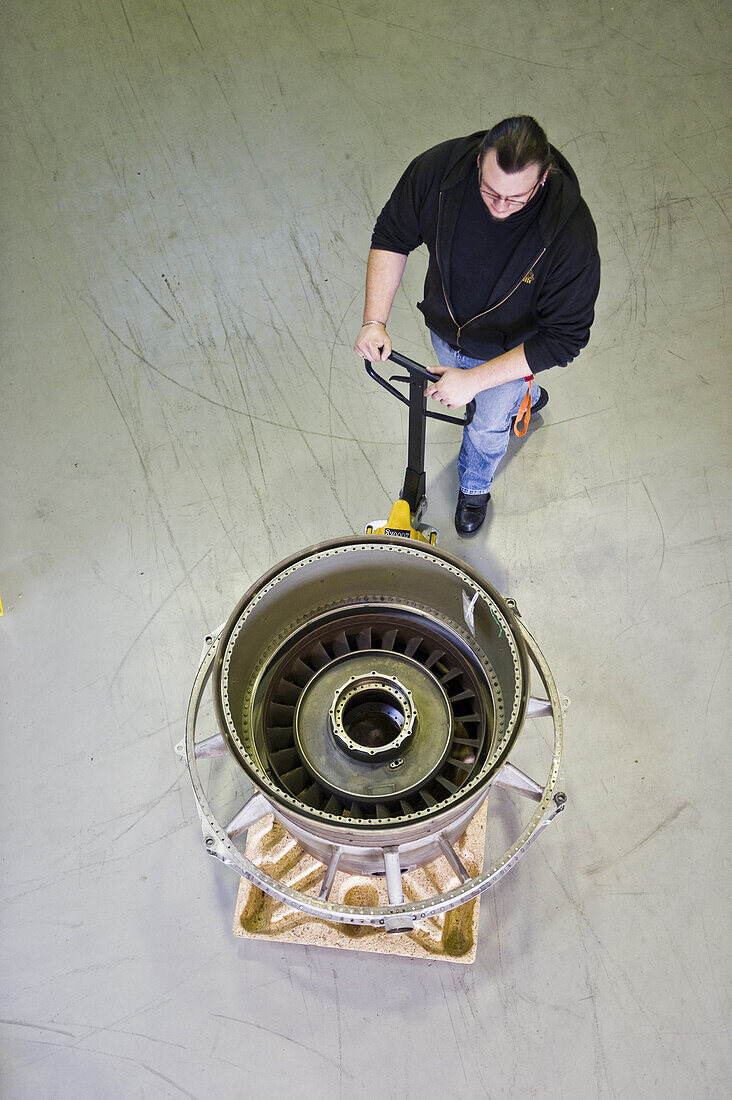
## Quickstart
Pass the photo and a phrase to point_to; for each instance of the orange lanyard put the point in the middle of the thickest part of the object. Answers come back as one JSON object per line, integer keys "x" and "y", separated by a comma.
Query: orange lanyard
{"x": 524, "y": 413}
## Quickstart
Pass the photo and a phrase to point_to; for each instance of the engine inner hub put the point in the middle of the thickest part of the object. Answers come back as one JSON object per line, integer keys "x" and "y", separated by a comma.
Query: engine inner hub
{"x": 382, "y": 741}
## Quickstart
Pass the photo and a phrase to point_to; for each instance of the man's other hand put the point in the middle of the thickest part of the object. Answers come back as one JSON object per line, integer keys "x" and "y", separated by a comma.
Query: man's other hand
{"x": 373, "y": 343}
{"x": 455, "y": 387}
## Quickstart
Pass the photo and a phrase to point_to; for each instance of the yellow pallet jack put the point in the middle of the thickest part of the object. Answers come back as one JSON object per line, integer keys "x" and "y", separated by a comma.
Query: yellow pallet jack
{"x": 405, "y": 517}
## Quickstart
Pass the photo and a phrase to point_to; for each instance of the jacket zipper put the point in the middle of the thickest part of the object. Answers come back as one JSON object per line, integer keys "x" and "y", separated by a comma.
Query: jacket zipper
{"x": 439, "y": 265}
{"x": 485, "y": 311}
{"x": 442, "y": 280}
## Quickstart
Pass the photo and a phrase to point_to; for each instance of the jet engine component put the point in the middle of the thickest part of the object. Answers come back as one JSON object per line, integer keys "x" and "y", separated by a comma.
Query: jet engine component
{"x": 369, "y": 691}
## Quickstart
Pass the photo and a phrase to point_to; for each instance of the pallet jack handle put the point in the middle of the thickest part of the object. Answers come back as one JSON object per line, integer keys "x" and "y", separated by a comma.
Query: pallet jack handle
{"x": 414, "y": 478}
{"x": 416, "y": 373}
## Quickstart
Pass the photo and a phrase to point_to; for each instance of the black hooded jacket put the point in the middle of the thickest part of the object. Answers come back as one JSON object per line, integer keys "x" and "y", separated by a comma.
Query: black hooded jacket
{"x": 546, "y": 294}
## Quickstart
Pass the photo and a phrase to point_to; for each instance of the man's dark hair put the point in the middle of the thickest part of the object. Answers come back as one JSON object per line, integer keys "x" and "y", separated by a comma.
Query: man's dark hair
{"x": 518, "y": 141}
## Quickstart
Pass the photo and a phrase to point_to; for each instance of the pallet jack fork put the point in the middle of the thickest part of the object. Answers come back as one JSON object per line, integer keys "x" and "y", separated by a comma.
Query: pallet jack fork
{"x": 406, "y": 513}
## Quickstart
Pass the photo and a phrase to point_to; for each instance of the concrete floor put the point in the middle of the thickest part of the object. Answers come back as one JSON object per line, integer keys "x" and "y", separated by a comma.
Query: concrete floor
{"x": 188, "y": 192}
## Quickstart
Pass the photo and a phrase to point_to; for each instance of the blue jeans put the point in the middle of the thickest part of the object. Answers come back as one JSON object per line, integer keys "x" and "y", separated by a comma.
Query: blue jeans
{"x": 485, "y": 440}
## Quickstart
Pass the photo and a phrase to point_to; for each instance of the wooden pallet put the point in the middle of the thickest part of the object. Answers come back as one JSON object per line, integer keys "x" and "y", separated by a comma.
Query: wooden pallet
{"x": 451, "y": 937}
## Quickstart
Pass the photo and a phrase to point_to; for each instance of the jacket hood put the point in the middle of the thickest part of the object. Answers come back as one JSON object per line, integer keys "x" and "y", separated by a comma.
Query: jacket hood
{"x": 563, "y": 193}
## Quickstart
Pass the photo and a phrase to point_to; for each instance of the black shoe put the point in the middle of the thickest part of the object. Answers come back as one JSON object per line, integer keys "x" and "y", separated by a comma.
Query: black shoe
{"x": 541, "y": 401}
{"x": 470, "y": 512}
{"x": 538, "y": 405}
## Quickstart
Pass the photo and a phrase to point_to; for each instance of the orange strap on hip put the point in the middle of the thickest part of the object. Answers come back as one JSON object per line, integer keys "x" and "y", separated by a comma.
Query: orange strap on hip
{"x": 524, "y": 413}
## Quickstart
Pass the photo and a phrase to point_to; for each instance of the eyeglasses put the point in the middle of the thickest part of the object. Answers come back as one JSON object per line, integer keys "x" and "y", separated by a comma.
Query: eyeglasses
{"x": 515, "y": 201}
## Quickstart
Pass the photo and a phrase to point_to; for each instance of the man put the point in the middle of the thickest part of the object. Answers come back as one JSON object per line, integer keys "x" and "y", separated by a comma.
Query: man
{"x": 511, "y": 283}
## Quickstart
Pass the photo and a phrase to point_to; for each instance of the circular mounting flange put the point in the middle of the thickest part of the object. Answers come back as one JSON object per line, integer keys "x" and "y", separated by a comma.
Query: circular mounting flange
{"x": 372, "y": 717}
